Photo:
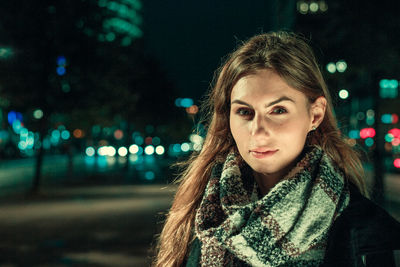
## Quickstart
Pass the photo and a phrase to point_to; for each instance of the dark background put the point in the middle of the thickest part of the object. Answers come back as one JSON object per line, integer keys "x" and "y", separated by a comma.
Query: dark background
{"x": 85, "y": 78}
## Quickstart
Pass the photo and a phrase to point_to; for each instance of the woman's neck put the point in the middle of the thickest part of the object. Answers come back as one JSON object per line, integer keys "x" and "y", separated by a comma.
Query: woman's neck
{"x": 266, "y": 182}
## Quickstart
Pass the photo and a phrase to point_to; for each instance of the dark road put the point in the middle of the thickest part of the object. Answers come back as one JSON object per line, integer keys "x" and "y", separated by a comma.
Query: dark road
{"x": 96, "y": 226}
{"x": 100, "y": 216}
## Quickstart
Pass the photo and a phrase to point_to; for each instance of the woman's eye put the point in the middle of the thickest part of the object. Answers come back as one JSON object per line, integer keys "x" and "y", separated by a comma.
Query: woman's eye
{"x": 279, "y": 110}
{"x": 244, "y": 112}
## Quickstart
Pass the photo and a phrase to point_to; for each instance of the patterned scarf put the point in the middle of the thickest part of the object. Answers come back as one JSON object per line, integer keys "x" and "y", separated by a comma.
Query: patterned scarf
{"x": 286, "y": 227}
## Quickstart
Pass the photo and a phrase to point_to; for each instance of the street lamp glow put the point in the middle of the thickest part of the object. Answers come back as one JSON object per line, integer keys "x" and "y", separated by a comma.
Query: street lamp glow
{"x": 90, "y": 151}
{"x": 133, "y": 149}
{"x": 160, "y": 150}
{"x": 185, "y": 147}
{"x": 176, "y": 148}
{"x": 65, "y": 134}
{"x": 369, "y": 142}
{"x": 149, "y": 150}
{"x": 323, "y": 6}
{"x": 149, "y": 175}
{"x": 331, "y": 67}
{"x": 56, "y": 134}
{"x": 38, "y": 114}
{"x": 314, "y": 7}
{"x": 106, "y": 151}
{"x": 122, "y": 151}
{"x": 389, "y": 137}
{"x": 343, "y": 94}
{"x": 5, "y": 52}
{"x": 22, "y": 145}
{"x": 195, "y": 138}
{"x": 302, "y": 7}
{"x": 396, "y": 163}
{"x": 341, "y": 66}
{"x": 197, "y": 147}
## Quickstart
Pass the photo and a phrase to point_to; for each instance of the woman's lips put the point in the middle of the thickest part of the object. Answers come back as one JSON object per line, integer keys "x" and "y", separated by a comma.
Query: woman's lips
{"x": 262, "y": 153}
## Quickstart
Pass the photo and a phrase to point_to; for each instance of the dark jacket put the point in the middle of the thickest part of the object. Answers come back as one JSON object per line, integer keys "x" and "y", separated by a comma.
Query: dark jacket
{"x": 363, "y": 235}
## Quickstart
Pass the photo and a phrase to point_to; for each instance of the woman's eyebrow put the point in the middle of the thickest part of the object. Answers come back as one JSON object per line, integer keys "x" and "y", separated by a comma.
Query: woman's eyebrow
{"x": 240, "y": 102}
{"x": 282, "y": 98}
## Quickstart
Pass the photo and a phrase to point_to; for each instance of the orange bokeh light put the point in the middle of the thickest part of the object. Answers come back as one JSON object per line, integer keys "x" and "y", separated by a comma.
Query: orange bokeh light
{"x": 78, "y": 133}
{"x": 118, "y": 134}
{"x": 192, "y": 109}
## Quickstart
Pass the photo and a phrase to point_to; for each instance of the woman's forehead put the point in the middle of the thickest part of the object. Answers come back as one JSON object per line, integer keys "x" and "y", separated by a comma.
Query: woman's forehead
{"x": 264, "y": 84}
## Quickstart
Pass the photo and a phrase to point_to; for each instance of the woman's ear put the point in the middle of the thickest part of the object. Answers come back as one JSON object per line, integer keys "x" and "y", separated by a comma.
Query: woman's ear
{"x": 318, "y": 112}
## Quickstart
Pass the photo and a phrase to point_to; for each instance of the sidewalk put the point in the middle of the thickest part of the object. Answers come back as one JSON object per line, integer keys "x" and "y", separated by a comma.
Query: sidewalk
{"x": 83, "y": 226}
{"x": 97, "y": 225}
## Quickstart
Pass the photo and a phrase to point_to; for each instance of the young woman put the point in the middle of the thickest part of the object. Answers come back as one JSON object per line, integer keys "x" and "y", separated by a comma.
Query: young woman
{"x": 275, "y": 183}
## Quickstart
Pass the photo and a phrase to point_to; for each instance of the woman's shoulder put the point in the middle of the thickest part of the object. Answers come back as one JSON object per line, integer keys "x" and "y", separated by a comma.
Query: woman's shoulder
{"x": 364, "y": 228}
{"x": 363, "y": 212}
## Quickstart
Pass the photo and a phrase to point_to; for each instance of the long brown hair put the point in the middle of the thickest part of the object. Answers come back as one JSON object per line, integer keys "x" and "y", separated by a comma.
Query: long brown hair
{"x": 292, "y": 58}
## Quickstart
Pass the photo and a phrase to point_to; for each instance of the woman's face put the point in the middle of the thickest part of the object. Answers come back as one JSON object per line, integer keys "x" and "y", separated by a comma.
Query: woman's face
{"x": 269, "y": 122}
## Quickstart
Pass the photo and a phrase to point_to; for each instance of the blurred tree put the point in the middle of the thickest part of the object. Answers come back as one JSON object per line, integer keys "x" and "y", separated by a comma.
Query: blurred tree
{"x": 106, "y": 76}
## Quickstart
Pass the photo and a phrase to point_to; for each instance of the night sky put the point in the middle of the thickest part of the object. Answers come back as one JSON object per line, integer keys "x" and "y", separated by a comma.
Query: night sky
{"x": 190, "y": 38}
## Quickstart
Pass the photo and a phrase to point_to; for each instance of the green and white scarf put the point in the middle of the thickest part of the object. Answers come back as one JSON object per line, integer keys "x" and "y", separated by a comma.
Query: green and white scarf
{"x": 286, "y": 227}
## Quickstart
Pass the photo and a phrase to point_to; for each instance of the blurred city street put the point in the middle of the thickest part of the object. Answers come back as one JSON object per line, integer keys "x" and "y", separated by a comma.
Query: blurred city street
{"x": 96, "y": 226}
{"x": 101, "y": 219}
{"x": 98, "y": 99}
{"x": 106, "y": 222}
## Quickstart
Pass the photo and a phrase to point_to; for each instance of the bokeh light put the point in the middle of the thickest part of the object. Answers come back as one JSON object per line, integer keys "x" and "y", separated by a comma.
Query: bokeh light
{"x": 160, "y": 150}
{"x": 149, "y": 150}
{"x": 192, "y": 110}
{"x": 313, "y": 7}
{"x": 134, "y": 149}
{"x": 341, "y": 66}
{"x": 118, "y": 134}
{"x": 396, "y": 163}
{"x": 148, "y": 140}
{"x": 56, "y": 134}
{"x": 90, "y": 151}
{"x": 17, "y": 126}
{"x": 122, "y": 151}
{"x": 149, "y": 175}
{"x": 184, "y": 102}
{"x": 156, "y": 140}
{"x": 302, "y": 7}
{"x": 176, "y": 148}
{"x": 139, "y": 140}
{"x": 389, "y": 137}
{"x": 354, "y": 134}
{"x": 185, "y": 147}
{"x": 106, "y": 151}
{"x": 61, "y": 71}
{"x": 38, "y": 114}
{"x": 331, "y": 67}
{"x": 369, "y": 142}
{"x": 78, "y": 133}
{"x": 65, "y": 134}
{"x": 352, "y": 142}
{"x": 343, "y": 94}
{"x": 370, "y": 113}
{"x": 367, "y": 133}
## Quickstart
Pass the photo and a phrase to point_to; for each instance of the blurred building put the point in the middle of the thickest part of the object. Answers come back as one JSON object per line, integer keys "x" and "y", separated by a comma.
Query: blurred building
{"x": 120, "y": 19}
{"x": 361, "y": 75}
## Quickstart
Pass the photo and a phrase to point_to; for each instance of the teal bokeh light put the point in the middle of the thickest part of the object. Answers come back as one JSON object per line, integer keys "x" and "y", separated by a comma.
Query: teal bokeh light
{"x": 369, "y": 142}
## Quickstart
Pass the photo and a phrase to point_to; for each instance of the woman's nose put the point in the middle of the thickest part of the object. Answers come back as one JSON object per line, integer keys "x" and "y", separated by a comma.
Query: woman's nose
{"x": 259, "y": 125}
